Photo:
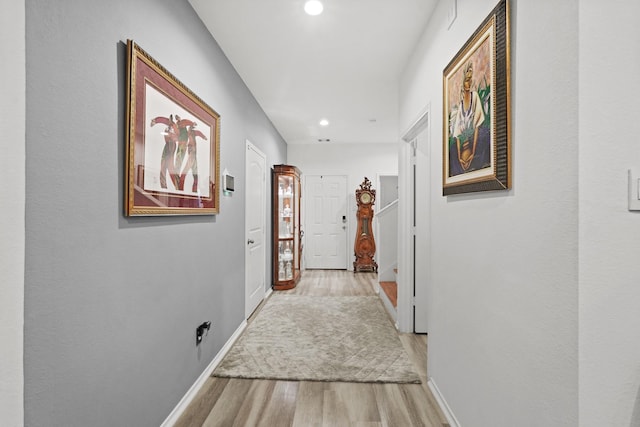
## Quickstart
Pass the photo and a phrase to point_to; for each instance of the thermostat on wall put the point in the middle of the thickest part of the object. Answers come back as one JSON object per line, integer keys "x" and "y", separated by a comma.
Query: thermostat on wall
{"x": 228, "y": 182}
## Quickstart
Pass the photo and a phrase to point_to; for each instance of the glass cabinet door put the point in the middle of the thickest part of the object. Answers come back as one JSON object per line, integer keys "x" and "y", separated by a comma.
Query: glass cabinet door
{"x": 286, "y": 227}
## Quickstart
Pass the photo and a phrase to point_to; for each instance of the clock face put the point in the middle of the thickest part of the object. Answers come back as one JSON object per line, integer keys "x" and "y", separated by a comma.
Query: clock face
{"x": 365, "y": 198}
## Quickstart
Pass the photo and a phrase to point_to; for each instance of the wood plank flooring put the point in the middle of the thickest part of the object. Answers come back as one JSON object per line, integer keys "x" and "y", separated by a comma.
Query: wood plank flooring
{"x": 232, "y": 402}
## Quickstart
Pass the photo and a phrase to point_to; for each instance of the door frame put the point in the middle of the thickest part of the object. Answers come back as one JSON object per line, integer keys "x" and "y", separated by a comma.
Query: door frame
{"x": 265, "y": 241}
{"x": 406, "y": 204}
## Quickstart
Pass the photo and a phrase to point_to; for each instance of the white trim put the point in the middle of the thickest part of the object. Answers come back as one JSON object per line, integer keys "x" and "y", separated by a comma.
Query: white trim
{"x": 268, "y": 293}
{"x": 193, "y": 391}
{"x": 452, "y": 13}
{"x": 420, "y": 123}
{"x": 406, "y": 161}
{"x": 388, "y": 306}
{"x": 404, "y": 310}
{"x": 12, "y": 221}
{"x": 442, "y": 403}
{"x": 387, "y": 208}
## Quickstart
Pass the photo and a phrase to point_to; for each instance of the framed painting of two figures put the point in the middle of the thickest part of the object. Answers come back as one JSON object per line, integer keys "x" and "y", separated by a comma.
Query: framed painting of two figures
{"x": 173, "y": 143}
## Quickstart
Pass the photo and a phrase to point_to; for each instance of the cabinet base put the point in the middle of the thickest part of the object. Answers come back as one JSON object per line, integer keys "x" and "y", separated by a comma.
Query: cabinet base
{"x": 284, "y": 287}
{"x": 287, "y": 284}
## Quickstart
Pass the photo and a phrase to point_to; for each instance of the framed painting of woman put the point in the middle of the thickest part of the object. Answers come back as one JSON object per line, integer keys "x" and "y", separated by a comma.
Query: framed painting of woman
{"x": 476, "y": 107}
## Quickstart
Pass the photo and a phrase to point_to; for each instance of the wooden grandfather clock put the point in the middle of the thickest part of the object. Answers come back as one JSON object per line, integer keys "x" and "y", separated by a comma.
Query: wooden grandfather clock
{"x": 365, "y": 245}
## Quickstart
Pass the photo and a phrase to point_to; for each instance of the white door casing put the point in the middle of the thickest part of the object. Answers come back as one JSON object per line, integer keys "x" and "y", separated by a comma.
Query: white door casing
{"x": 414, "y": 233}
{"x": 422, "y": 222}
{"x": 404, "y": 313}
{"x": 255, "y": 227}
{"x": 326, "y": 222}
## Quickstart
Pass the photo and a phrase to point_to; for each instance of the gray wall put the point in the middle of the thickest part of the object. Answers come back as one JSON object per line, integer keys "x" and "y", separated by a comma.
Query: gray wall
{"x": 112, "y": 303}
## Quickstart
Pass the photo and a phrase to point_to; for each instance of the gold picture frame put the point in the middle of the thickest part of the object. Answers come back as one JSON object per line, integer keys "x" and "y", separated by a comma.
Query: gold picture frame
{"x": 477, "y": 111}
{"x": 173, "y": 143}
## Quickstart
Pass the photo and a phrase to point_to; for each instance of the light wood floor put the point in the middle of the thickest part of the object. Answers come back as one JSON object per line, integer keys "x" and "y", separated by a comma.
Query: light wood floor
{"x": 237, "y": 402}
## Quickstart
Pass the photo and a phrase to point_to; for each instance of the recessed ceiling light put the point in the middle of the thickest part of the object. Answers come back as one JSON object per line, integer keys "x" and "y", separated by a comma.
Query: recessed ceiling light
{"x": 313, "y": 7}
{"x": 324, "y": 122}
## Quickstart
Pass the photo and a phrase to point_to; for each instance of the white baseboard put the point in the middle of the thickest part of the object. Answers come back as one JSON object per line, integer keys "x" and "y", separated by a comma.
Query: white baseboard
{"x": 389, "y": 307}
{"x": 442, "y": 403}
{"x": 191, "y": 394}
{"x": 387, "y": 274}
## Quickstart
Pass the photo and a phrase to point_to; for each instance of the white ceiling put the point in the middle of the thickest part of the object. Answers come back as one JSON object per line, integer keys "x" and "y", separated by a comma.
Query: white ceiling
{"x": 343, "y": 65}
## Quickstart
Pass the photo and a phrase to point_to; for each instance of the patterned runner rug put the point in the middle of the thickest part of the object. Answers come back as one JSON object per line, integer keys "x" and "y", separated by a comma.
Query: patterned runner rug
{"x": 295, "y": 337}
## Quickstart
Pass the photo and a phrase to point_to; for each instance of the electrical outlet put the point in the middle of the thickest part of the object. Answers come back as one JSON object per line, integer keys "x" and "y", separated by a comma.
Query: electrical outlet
{"x": 200, "y": 331}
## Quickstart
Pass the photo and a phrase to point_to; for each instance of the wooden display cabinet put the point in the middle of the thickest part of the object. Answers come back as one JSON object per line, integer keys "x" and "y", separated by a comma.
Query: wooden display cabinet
{"x": 287, "y": 234}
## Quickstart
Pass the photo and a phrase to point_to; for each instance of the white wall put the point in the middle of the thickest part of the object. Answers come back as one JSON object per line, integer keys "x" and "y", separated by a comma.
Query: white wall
{"x": 609, "y": 233}
{"x": 12, "y": 200}
{"x": 353, "y": 160}
{"x": 503, "y": 312}
{"x": 387, "y": 190}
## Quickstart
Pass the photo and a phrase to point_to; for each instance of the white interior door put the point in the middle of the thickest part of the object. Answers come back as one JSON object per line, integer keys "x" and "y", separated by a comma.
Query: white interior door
{"x": 325, "y": 222}
{"x": 255, "y": 225}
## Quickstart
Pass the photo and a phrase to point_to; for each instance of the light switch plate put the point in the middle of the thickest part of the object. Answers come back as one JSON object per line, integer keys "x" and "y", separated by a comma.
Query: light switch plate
{"x": 634, "y": 191}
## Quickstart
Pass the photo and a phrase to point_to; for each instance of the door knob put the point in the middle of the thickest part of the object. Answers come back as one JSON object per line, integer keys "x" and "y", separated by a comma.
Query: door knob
{"x": 250, "y": 242}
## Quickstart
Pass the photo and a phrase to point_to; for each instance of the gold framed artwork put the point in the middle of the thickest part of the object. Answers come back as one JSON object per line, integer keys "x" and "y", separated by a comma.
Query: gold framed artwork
{"x": 173, "y": 143}
{"x": 476, "y": 110}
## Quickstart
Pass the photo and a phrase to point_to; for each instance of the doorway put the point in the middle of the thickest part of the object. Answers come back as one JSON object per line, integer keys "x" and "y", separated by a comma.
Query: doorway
{"x": 414, "y": 228}
{"x": 325, "y": 212}
{"x": 255, "y": 227}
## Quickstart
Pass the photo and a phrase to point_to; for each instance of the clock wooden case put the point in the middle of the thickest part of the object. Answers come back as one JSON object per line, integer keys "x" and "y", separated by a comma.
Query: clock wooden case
{"x": 365, "y": 245}
{"x": 287, "y": 234}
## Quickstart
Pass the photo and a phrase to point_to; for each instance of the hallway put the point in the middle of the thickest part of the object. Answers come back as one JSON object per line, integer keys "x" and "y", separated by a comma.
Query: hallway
{"x": 240, "y": 402}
